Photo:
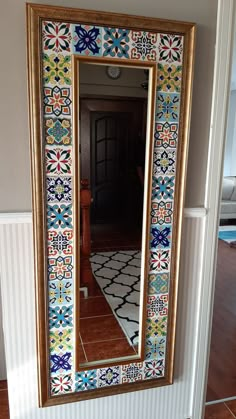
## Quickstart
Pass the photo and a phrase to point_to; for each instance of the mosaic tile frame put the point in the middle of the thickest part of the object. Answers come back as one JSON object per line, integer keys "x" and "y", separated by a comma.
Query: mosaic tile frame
{"x": 55, "y": 35}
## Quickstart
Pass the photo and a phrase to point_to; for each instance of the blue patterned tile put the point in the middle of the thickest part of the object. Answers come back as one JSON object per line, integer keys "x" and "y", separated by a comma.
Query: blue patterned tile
{"x": 160, "y": 237}
{"x": 87, "y": 40}
{"x": 116, "y": 43}
{"x": 155, "y": 348}
{"x": 86, "y": 380}
{"x": 167, "y": 107}
{"x": 158, "y": 283}
{"x": 108, "y": 376}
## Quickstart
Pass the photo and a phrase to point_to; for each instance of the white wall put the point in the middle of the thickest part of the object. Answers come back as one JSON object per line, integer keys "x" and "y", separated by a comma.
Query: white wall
{"x": 15, "y": 163}
{"x": 230, "y": 145}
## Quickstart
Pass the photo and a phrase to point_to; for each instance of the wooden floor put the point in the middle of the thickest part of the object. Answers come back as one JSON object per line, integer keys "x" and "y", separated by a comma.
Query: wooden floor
{"x": 222, "y": 366}
{"x": 4, "y": 408}
{"x": 221, "y": 410}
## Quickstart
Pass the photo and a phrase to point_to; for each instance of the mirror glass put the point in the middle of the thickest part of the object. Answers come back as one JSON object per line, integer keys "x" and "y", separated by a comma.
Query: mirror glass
{"x": 113, "y": 111}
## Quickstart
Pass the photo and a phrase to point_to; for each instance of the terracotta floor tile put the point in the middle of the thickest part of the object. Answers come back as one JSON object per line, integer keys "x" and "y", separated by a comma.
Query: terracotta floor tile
{"x": 110, "y": 349}
{"x": 4, "y": 410}
{"x": 94, "y": 306}
{"x": 217, "y": 411}
{"x": 232, "y": 406}
{"x": 100, "y": 329}
{"x": 82, "y": 358}
{"x": 3, "y": 384}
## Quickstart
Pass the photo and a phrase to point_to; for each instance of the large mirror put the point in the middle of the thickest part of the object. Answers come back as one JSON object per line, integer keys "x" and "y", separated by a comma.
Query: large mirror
{"x": 114, "y": 144}
{"x": 109, "y": 102}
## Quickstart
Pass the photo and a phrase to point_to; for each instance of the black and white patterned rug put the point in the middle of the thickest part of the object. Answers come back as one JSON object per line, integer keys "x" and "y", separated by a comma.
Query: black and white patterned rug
{"x": 118, "y": 275}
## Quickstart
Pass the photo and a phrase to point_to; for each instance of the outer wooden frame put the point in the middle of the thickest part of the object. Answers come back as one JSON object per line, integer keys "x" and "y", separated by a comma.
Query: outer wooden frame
{"x": 35, "y": 15}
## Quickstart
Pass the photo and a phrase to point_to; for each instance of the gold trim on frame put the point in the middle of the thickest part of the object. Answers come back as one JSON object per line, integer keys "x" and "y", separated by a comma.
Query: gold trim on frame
{"x": 35, "y": 14}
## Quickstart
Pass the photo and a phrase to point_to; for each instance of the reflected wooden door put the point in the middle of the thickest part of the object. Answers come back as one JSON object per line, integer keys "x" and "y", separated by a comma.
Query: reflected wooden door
{"x": 111, "y": 130}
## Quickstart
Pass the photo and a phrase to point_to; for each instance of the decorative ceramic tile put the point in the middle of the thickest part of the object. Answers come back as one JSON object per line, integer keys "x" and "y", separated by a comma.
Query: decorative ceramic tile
{"x": 57, "y": 101}
{"x": 58, "y": 161}
{"x": 56, "y": 37}
{"x": 158, "y": 283}
{"x": 157, "y": 305}
{"x": 59, "y": 189}
{"x": 156, "y": 327}
{"x": 166, "y": 135}
{"x": 60, "y": 363}
{"x": 160, "y": 261}
{"x": 60, "y": 292}
{"x": 60, "y": 268}
{"x": 60, "y": 316}
{"x": 155, "y": 348}
{"x": 108, "y": 376}
{"x": 86, "y": 380}
{"x": 61, "y": 384}
{"x": 116, "y": 42}
{"x": 170, "y": 48}
{"x": 58, "y": 131}
{"x": 56, "y": 69}
{"x": 161, "y": 212}
{"x": 131, "y": 373}
{"x": 60, "y": 242}
{"x": 169, "y": 78}
{"x": 160, "y": 237}
{"x": 87, "y": 40}
{"x": 167, "y": 107}
{"x": 164, "y": 161}
{"x": 59, "y": 216}
{"x": 163, "y": 187}
{"x": 144, "y": 45}
{"x": 154, "y": 369}
{"x": 61, "y": 340}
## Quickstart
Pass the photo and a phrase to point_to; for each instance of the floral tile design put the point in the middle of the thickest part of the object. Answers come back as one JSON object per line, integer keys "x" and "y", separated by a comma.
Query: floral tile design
{"x": 59, "y": 189}
{"x": 56, "y": 69}
{"x": 154, "y": 369}
{"x": 60, "y": 316}
{"x": 156, "y": 327}
{"x": 170, "y": 48}
{"x": 61, "y": 384}
{"x": 57, "y": 101}
{"x": 58, "y": 131}
{"x": 167, "y": 108}
{"x": 161, "y": 212}
{"x": 61, "y": 340}
{"x": 169, "y": 78}
{"x": 155, "y": 348}
{"x": 58, "y": 161}
{"x": 164, "y": 161}
{"x": 157, "y": 305}
{"x": 108, "y": 376}
{"x": 60, "y": 242}
{"x": 166, "y": 135}
{"x": 132, "y": 372}
{"x": 116, "y": 42}
{"x": 60, "y": 363}
{"x": 163, "y": 187}
{"x": 86, "y": 380}
{"x": 60, "y": 292}
{"x": 158, "y": 283}
{"x": 56, "y": 37}
{"x": 59, "y": 216}
{"x": 160, "y": 261}
{"x": 60, "y": 268}
{"x": 161, "y": 237}
{"x": 144, "y": 45}
{"x": 87, "y": 40}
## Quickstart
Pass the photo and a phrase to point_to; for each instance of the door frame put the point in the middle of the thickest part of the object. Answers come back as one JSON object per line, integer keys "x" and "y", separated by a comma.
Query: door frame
{"x": 214, "y": 178}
